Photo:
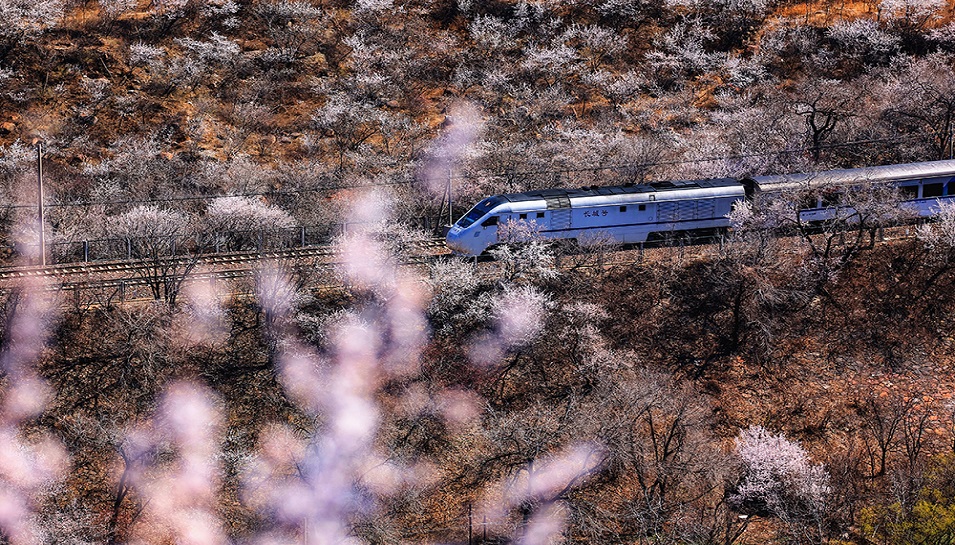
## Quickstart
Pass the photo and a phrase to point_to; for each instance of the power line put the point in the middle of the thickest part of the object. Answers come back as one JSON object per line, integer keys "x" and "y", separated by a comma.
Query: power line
{"x": 625, "y": 166}
{"x": 297, "y": 192}
{"x": 524, "y": 173}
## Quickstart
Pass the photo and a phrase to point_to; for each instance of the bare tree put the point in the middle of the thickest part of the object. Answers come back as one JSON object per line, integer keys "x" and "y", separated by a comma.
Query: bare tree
{"x": 672, "y": 467}
{"x": 823, "y": 106}
{"x": 349, "y": 123}
{"x": 152, "y": 235}
{"x": 896, "y": 437}
{"x": 125, "y": 510}
{"x": 923, "y": 100}
{"x": 883, "y": 420}
{"x": 757, "y": 282}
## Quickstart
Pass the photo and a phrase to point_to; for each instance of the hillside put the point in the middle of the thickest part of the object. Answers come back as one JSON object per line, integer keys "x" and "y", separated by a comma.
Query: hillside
{"x": 291, "y": 99}
{"x": 763, "y": 389}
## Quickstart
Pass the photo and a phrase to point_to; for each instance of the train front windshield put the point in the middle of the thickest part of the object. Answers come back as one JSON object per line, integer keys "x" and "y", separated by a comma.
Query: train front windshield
{"x": 479, "y": 210}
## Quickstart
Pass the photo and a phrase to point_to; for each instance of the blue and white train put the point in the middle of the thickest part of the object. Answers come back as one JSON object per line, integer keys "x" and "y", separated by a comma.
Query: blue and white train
{"x": 636, "y": 213}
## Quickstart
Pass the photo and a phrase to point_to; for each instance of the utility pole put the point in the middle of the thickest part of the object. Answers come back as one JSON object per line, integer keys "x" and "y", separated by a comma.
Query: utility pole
{"x": 450, "y": 200}
{"x": 951, "y": 140}
{"x": 39, "y": 177}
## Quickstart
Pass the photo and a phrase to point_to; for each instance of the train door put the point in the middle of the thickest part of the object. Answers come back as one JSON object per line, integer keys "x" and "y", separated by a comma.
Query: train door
{"x": 560, "y": 213}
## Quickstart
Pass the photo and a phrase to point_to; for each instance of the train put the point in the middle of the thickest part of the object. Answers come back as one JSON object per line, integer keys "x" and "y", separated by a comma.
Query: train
{"x": 636, "y": 213}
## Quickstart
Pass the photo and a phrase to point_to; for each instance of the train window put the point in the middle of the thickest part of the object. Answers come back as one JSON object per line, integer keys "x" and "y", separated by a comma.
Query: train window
{"x": 909, "y": 191}
{"x": 540, "y": 214}
{"x": 523, "y": 216}
{"x": 642, "y": 207}
{"x": 479, "y": 210}
{"x": 938, "y": 180}
{"x": 489, "y": 222}
{"x": 623, "y": 208}
{"x": 951, "y": 189}
{"x": 931, "y": 190}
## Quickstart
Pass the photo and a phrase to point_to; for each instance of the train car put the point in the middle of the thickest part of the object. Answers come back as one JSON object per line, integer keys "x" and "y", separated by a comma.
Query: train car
{"x": 625, "y": 214}
{"x": 635, "y": 213}
{"x": 921, "y": 185}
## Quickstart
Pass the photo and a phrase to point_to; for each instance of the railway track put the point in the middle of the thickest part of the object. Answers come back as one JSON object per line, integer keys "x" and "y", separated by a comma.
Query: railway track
{"x": 130, "y": 275}
{"x": 65, "y": 270}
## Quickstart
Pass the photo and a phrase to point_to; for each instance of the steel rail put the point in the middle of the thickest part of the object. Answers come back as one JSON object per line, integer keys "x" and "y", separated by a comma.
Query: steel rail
{"x": 118, "y": 266}
{"x": 245, "y": 264}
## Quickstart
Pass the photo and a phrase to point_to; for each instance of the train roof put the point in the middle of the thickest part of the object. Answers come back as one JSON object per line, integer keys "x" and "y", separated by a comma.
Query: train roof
{"x": 908, "y": 171}
{"x": 597, "y": 191}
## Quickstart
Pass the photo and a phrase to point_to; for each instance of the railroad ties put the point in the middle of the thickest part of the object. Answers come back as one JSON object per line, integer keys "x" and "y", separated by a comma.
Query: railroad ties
{"x": 124, "y": 275}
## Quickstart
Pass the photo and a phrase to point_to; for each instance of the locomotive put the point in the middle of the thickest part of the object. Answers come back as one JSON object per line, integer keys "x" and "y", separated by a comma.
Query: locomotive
{"x": 636, "y": 213}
